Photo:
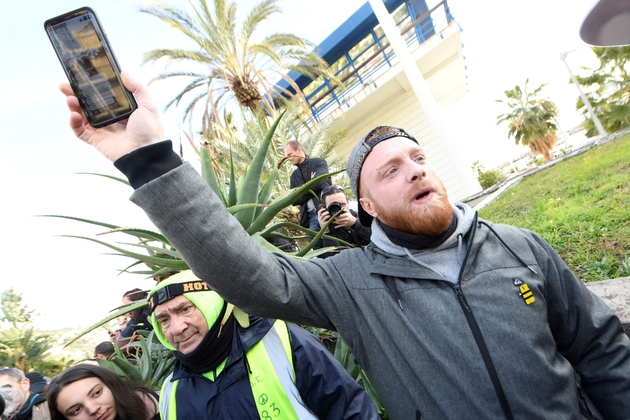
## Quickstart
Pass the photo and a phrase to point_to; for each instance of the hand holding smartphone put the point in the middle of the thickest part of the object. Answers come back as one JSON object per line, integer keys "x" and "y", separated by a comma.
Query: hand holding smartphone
{"x": 89, "y": 63}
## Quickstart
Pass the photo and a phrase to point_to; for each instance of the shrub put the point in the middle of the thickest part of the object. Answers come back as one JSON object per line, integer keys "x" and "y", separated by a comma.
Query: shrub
{"x": 489, "y": 178}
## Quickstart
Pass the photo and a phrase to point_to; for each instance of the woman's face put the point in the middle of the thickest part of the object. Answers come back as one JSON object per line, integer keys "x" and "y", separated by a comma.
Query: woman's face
{"x": 87, "y": 398}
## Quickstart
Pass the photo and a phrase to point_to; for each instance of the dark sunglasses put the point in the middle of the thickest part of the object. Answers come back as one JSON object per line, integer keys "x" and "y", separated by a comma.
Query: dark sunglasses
{"x": 330, "y": 190}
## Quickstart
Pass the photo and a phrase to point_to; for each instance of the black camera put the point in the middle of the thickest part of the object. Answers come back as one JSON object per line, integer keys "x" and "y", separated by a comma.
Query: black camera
{"x": 334, "y": 208}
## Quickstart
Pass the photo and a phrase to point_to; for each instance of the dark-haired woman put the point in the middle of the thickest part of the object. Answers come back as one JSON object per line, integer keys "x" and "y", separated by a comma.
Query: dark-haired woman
{"x": 134, "y": 321}
{"x": 92, "y": 392}
{"x": 139, "y": 319}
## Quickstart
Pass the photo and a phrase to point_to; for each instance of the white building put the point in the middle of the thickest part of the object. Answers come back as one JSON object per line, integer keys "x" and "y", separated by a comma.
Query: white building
{"x": 381, "y": 89}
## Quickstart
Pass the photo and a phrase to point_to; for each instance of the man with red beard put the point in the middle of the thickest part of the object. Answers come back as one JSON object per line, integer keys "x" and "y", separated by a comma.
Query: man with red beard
{"x": 409, "y": 202}
{"x": 450, "y": 316}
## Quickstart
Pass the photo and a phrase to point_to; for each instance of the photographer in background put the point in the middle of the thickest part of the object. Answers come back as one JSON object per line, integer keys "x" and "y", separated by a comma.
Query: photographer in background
{"x": 346, "y": 225}
{"x": 306, "y": 168}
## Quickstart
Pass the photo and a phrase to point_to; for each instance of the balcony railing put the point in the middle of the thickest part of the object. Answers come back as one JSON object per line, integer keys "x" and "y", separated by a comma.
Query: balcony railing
{"x": 366, "y": 69}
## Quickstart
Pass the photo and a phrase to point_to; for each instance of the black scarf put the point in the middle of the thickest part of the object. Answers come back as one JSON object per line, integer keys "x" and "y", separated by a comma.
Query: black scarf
{"x": 416, "y": 241}
{"x": 212, "y": 350}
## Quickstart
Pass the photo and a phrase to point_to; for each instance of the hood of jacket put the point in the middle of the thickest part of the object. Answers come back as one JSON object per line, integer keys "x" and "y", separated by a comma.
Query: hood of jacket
{"x": 445, "y": 259}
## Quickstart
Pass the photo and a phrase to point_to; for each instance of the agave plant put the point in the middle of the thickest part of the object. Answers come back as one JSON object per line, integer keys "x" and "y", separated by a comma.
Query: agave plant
{"x": 231, "y": 147}
{"x": 246, "y": 197}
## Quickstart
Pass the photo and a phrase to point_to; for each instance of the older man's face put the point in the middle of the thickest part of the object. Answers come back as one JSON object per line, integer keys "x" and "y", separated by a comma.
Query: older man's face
{"x": 183, "y": 325}
{"x": 401, "y": 188}
{"x": 22, "y": 386}
{"x": 13, "y": 399}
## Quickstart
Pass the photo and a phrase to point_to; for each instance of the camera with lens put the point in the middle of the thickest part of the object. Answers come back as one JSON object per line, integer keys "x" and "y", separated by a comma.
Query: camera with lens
{"x": 334, "y": 208}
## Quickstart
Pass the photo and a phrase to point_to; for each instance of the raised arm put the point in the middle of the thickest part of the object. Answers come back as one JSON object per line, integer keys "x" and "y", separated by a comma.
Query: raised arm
{"x": 219, "y": 251}
{"x": 191, "y": 216}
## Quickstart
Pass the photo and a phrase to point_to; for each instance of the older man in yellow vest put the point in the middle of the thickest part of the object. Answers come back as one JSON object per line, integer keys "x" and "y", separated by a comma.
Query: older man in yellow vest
{"x": 265, "y": 369}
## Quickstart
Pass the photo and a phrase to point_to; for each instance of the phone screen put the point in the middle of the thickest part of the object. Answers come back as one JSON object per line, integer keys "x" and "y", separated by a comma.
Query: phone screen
{"x": 89, "y": 63}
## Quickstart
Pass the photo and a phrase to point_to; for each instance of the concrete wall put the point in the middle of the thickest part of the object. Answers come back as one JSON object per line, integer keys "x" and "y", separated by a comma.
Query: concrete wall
{"x": 616, "y": 294}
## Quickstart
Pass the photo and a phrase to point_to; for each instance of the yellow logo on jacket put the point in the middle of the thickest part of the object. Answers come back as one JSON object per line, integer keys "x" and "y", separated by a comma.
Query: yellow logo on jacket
{"x": 524, "y": 291}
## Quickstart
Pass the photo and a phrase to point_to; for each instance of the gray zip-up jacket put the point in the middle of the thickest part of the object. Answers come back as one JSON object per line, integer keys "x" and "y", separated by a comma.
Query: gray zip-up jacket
{"x": 480, "y": 348}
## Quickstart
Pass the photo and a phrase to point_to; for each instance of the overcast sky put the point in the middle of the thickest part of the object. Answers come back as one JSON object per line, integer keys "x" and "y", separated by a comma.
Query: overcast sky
{"x": 71, "y": 282}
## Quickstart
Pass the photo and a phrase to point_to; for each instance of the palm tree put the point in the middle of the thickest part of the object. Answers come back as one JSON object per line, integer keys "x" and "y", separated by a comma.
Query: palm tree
{"x": 532, "y": 121}
{"x": 21, "y": 345}
{"x": 232, "y": 64}
{"x": 611, "y": 95}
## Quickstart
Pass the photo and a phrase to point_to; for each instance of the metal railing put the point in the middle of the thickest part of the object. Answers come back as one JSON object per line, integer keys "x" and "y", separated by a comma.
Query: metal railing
{"x": 430, "y": 24}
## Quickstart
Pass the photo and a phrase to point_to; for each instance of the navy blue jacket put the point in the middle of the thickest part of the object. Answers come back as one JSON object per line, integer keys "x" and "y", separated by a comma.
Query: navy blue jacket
{"x": 324, "y": 385}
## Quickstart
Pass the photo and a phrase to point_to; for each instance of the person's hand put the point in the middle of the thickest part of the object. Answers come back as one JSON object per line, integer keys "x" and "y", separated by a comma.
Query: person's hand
{"x": 322, "y": 217}
{"x": 345, "y": 219}
{"x": 113, "y": 335}
{"x": 142, "y": 128}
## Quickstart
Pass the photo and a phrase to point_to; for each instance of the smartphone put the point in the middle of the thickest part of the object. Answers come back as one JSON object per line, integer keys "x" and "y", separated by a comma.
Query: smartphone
{"x": 89, "y": 63}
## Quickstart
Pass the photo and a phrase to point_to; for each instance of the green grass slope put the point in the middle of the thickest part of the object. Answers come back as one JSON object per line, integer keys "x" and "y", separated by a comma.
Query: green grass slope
{"x": 581, "y": 206}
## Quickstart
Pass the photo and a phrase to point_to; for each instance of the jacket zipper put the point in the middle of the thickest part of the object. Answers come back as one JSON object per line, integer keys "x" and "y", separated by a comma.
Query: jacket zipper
{"x": 481, "y": 344}
{"x": 485, "y": 354}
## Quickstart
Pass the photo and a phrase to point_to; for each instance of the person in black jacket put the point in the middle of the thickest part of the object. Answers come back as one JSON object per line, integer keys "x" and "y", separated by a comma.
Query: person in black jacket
{"x": 131, "y": 323}
{"x": 139, "y": 319}
{"x": 346, "y": 225}
{"x": 32, "y": 406}
{"x": 307, "y": 169}
{"x": 38, "y": 382}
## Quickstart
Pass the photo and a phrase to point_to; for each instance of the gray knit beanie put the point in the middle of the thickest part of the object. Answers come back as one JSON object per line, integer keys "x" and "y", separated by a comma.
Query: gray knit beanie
{"x": 358, "y": 155}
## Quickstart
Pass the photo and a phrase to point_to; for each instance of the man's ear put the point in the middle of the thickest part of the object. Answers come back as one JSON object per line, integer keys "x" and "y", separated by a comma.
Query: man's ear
{"x": 26, "y": 383}
{"x": 368, "y": 206}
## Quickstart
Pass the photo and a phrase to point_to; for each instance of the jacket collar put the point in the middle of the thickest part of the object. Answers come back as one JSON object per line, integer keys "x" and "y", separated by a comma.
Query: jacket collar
{"x": 387, "y": 264}
{"x": 247, "y": 337}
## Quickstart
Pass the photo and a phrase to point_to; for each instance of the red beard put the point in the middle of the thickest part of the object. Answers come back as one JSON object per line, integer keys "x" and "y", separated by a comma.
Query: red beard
{"x": 432, "y": 219}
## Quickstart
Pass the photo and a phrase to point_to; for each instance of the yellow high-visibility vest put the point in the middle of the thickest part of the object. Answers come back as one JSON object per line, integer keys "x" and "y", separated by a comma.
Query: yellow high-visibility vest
{"x": 271, "y": 376}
